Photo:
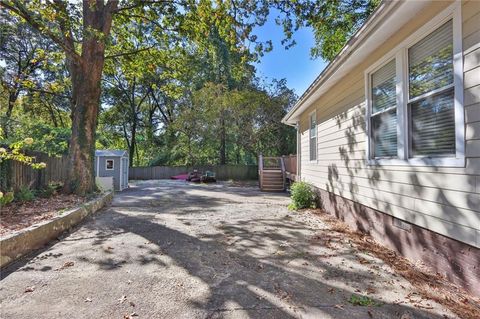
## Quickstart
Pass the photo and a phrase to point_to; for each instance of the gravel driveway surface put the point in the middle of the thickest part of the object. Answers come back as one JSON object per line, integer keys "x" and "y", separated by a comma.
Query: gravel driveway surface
{"x": 168, "y": 249}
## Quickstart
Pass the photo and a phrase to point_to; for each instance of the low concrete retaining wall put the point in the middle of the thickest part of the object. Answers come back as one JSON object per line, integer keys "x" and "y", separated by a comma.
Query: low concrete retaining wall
{"x": 36, "y": 236}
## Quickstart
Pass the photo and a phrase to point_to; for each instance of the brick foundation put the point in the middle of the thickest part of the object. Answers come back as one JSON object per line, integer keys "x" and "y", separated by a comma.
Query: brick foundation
{"x": 458, "y": 261}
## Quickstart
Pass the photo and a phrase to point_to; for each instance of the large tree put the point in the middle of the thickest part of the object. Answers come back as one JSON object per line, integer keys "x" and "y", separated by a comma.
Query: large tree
{"x": 83, "y": 32}
{"x": 60, "y": 21}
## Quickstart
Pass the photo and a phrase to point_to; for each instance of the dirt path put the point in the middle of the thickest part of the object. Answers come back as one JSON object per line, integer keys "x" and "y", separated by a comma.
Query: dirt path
{"x": 171, "y": 250}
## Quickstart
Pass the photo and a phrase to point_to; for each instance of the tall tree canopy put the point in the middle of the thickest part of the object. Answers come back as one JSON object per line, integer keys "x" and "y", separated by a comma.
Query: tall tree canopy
{"x": 175, "y": 75}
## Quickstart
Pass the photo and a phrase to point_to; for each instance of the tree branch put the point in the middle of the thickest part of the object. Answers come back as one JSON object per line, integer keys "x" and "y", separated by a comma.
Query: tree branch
{"x": 145, "y": 2}
{"x": 127, "y": 53}
{"x": 47, "y": 92}
{"x": 36, "y": 22}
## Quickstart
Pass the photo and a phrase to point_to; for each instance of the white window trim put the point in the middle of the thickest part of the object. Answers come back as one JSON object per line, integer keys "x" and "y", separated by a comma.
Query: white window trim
{"x": 314, "y": 114}
{"x": 400, "y": 52}
{"x": 113, "y": 165}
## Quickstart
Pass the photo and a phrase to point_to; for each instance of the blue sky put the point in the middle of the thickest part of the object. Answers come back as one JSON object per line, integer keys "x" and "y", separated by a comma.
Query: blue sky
{"x": 293, "y": 64}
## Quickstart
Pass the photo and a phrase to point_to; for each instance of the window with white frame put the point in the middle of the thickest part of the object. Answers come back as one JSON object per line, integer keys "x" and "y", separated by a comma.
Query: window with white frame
{"x": 431, "y": 94}
{"x": 415, "y": 98}
{"x": 383, "y": 112}
{"x": 313, "y": 136}
{"x": 109, "y": 164}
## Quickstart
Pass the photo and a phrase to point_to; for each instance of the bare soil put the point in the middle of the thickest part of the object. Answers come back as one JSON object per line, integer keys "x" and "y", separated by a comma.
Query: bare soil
{"x": 16, "y": 216}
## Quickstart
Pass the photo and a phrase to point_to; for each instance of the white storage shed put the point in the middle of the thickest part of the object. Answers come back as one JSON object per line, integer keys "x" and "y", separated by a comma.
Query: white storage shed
{"x": 113, "y": 163}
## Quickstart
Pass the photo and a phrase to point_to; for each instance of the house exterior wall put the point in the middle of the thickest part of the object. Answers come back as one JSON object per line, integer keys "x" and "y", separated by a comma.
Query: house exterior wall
{"x": 445, "y": 200}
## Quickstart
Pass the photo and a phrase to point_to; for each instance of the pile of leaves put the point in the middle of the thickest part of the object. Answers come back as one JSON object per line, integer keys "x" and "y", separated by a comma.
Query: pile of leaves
{"x": 429, "y": 284}
{"x": 19, "y": 215}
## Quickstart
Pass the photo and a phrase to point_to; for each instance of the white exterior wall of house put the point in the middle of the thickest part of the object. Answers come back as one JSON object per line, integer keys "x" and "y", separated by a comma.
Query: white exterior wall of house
{"x": 443, "y": 199}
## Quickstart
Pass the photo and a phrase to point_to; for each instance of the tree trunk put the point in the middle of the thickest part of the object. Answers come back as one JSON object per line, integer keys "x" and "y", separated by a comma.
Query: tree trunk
{"x": 223, "y": 141}
{"x": 86, "y": 77}
{"x": 86, "y": 83}
{"x": 133, "y": 143}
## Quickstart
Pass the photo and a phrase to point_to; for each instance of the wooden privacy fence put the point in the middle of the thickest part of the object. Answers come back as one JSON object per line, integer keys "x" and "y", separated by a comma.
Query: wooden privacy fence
{"x": 222, "y": 172}
{"x": 290, "y": 163}
{"x": 15, "y": 175}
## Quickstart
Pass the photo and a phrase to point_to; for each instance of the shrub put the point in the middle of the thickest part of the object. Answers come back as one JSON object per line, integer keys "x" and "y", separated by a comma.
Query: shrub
{"x": 25, "y": 194}
{"x": 50, "y": 190}
{"x": 6, "y": 198}
{"x": 302, "y": 196}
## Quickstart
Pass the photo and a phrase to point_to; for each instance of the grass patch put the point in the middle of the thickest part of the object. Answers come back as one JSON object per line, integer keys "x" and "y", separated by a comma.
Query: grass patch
{"x": 365, "y": 301}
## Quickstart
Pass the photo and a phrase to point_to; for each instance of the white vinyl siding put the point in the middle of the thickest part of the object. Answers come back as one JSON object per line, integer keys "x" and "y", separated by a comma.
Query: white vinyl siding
{"x": 444, "y": 199}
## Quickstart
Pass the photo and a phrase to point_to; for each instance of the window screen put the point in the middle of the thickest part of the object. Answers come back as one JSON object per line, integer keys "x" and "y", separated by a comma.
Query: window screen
{"x": 384, "y": 111}
{"x": 431, "y": 94}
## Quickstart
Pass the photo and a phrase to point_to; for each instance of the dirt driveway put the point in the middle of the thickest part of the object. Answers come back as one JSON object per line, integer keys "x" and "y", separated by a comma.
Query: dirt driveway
{"x": 168, "y": 249}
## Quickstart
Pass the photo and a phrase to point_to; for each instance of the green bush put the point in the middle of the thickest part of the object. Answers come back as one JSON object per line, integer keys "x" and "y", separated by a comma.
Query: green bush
{"x": 25, "y": 194}
{"x": 50, "y": 190}
{"x": 302, "y": 196}
{"x": 6, "y": 198}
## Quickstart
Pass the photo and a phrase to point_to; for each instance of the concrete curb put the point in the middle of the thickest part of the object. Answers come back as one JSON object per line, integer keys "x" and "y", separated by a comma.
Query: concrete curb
{"x": 16, "y": 245}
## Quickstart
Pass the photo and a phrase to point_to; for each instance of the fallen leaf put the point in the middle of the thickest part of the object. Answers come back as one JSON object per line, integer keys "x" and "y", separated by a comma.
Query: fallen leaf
{"x": 338, "y": 307}
{"x": 66, "y": 265}
{"x": 122, "y": 299}
{"x": 130, "y": 316}
{"x": 30, "y": 289}
{"x": 371, "y": 290}
{"x": 88, "y": 300}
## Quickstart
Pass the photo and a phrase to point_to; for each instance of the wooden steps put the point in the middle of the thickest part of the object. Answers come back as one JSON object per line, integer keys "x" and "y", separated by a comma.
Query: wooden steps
{"x": 273, "y": 172}
{"x": 272, "y": 180}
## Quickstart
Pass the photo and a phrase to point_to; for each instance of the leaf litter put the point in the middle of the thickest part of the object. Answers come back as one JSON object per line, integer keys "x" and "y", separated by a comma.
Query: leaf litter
{"x": 429, "y": 284}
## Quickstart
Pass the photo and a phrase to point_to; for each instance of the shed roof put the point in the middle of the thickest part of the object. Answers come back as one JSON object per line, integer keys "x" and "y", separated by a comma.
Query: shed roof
{"x": 111, "y": 153}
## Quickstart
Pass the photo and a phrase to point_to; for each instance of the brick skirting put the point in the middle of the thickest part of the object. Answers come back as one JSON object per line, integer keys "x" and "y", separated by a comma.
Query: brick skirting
{"x": 458, "y": 261}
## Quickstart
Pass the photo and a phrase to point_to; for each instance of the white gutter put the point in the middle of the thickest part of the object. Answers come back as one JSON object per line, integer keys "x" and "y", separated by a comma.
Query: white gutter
{"x": 383, "y": 12}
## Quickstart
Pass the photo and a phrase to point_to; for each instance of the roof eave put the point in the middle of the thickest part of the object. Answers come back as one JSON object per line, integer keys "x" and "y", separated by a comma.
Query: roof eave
{"x": 385, "y": 8}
